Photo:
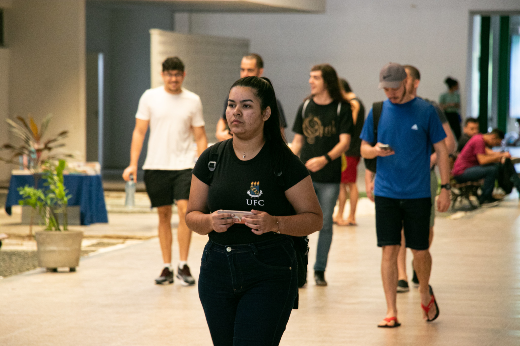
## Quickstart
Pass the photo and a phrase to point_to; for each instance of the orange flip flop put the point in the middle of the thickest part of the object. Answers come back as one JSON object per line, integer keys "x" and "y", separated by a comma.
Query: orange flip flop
{"x": 390, "y": 319}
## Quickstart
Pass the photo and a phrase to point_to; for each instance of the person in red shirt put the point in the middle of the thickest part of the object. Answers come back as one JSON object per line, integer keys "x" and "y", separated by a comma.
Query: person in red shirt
{"x": 478, "y": 161}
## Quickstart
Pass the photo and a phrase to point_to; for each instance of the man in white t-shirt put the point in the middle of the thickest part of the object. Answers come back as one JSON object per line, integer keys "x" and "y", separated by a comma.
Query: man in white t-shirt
{"x": 174, "y": 115}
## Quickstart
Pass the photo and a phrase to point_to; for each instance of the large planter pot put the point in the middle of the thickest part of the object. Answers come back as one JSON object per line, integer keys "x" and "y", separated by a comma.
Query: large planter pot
{"x": 58, "y": 249}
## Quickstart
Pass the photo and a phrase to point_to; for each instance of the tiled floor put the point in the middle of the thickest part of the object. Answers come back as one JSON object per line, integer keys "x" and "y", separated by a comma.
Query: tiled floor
{"x": 112, "y": 300}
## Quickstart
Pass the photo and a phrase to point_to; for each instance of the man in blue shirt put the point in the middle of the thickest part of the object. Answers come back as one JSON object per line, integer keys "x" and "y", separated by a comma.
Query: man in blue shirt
{"x": 407, "y": 128}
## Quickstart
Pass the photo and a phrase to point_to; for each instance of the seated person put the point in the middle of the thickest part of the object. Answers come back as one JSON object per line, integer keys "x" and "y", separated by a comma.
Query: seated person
{"x": 478, "y": 161}
{"x": 470, "y": 129}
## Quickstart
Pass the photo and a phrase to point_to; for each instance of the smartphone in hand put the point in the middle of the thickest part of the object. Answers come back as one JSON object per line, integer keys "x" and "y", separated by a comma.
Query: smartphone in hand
{"x": 385, "y": 147}
{"x": 237, "y": 215}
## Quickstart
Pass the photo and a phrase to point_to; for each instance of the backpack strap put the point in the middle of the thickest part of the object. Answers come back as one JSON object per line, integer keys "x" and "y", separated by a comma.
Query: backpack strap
{"x": 305, "y": 107}
{"x": 377, "y": 108}
{"x": 309, "y": 100}
{"x": 214, "y": 156}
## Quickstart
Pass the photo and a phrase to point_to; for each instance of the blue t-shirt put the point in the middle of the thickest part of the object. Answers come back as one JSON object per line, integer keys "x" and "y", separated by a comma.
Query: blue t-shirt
{"x": 410, "y": 129}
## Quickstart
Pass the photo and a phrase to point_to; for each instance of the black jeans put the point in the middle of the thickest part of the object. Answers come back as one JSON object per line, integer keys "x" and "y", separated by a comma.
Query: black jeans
{"x": 248, "y": 291}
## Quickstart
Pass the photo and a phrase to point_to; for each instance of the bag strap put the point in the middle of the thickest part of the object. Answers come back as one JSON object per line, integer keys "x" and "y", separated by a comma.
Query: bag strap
{"x": 214, "y": 156}
{"x": 305, "y": 107}
{"x": 377, "y": 108}
{"x": 309, "y": 100}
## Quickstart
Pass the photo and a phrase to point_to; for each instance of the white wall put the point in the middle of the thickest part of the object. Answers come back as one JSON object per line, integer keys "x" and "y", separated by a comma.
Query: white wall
{"x": 46, "y": 40}
{"x": 210, "y": 61}
{"x": 122, "y": 34}
{"x": 357, "y": 38}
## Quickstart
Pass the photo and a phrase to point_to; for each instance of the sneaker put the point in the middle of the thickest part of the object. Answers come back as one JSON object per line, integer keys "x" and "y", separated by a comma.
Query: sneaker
{"x": 165, "y": 277}
{"x": 319, "y": 277}
{"x": 184, "y": 275}
{"x": 402, "y": 286}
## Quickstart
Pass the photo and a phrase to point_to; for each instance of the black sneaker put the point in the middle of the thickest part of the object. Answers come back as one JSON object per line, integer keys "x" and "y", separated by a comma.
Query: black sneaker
{"x": 415, "y": 279}
{"x": 319, "y": 277}
{"x": 165, "y": 277}
{"x": 402, "y": 286}
{"x": 184, "y": 275}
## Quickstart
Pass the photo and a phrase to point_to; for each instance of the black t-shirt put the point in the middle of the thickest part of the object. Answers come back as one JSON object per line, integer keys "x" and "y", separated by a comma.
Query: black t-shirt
{"x": 245, "y": 185}
{"x": 355, "y": 142}
{"x": 283, "y": 122}
{"x": 321, "y": 129}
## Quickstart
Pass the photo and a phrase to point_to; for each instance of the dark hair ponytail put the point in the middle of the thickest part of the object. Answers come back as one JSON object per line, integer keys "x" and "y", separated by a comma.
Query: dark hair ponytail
{"x": 450, "y": 82}
{"x": 263, "y": 89}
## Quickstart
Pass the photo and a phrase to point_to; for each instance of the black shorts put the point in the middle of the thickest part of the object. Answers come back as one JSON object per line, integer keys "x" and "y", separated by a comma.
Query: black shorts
{"x": 413, "y": 215}
{"x": 165, "y": 187}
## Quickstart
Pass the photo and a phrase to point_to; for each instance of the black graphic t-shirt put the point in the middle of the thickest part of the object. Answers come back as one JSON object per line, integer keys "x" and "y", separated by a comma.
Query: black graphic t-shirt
{"x": 245, "y": 185}
{"x": 321, "y": 127}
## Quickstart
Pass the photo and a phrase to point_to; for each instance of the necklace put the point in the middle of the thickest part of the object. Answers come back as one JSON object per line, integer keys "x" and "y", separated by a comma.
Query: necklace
{"x": 244, "y": 156}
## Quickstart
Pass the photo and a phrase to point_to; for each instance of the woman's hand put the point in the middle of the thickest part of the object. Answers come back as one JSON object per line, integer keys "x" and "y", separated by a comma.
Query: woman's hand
{"x": 261, "y": 222}
{"x": 221, "y": 222}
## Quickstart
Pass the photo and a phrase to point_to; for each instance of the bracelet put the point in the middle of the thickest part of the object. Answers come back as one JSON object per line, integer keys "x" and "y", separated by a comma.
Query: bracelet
{"x": 329, "y": 160}
{"x": 277, "y": 226}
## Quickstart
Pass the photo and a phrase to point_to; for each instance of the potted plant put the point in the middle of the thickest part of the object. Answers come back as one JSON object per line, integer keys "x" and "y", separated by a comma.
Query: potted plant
{"x": 34, "y": 149}
{"x": 57, "y": 246}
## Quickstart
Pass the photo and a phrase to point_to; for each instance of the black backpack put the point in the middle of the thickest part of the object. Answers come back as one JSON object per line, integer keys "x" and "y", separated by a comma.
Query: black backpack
{"x": 301, "y": 244}
{"x": 505, "y": 172}
{"x": 377, "y": 108}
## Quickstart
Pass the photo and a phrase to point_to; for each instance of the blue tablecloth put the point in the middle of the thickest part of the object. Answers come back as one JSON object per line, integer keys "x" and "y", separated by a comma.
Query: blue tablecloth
{"x": 85, "y": 191}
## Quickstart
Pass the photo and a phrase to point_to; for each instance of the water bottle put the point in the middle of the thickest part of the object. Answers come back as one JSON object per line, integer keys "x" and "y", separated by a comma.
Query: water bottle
{"x": 130, "y": 192}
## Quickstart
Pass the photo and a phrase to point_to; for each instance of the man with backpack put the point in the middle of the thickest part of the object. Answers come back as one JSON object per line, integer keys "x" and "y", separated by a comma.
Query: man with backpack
{"x": 406, "y": 129}
{"x": 323, "y": 127}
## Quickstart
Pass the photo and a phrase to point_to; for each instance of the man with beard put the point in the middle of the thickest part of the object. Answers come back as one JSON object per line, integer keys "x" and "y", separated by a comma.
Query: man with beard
{"x": 412, "y": 83}
{"x": 407, "y": 128}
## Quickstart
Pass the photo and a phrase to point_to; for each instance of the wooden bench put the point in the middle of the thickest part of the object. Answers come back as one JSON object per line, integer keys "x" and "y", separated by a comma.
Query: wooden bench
{"x": 463, "y": 191}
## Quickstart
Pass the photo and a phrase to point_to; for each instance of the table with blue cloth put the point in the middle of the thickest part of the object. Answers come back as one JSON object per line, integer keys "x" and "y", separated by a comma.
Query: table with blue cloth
{"x": 85, "y": 191}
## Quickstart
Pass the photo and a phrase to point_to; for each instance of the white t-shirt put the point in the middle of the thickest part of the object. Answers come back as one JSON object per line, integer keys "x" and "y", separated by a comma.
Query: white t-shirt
{"x": 170, "y": 144}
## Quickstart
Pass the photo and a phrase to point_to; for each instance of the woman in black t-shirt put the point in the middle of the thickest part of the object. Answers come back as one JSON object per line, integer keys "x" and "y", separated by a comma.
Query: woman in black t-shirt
{"x": 248, "y": 282}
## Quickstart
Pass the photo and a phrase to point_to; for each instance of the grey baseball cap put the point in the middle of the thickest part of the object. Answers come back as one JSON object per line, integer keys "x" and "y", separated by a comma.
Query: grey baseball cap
{"x": 391, "y": 76}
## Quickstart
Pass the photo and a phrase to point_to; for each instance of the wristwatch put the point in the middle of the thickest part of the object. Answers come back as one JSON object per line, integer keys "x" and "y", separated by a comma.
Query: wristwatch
{"x": 446, "y": 186}
{"x": 329, "y": 159}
